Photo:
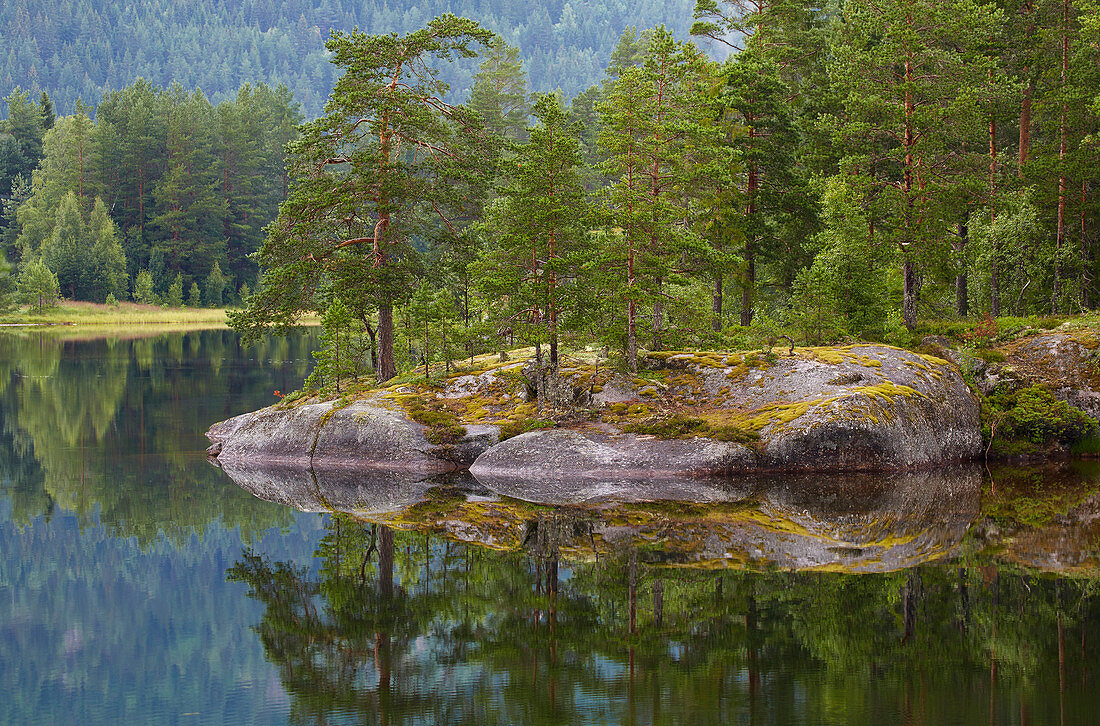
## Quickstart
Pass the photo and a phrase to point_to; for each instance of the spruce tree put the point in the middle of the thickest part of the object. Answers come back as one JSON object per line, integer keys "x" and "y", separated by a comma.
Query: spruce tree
{"x": 66, "y": 252}
{"x": 108, "y": 262}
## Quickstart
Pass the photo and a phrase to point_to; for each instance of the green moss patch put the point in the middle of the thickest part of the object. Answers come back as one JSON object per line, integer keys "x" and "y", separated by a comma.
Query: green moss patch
{"x": 442, "y": 425}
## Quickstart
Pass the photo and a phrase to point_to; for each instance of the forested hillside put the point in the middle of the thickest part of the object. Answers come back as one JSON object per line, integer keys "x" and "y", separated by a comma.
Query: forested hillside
{"x": 83, "y": 48}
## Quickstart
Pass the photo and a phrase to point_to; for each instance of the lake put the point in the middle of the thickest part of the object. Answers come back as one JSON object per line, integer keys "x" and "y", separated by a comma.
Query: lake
{"x": 139, "y": 583}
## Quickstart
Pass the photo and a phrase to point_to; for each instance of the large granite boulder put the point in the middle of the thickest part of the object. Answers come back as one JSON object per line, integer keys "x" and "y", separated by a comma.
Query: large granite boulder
{"x": 362, "y": 435}
{"x": 859, "y": 408}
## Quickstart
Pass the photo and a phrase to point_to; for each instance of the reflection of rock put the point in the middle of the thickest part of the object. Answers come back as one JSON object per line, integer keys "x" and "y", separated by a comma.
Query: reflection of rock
{"x": 330, "y": 489}
{"x": 859, "y": 523}
{"x": 361, "y": 434}
{"x": 862, "y": 522}
{"x": 1045, "y": 517}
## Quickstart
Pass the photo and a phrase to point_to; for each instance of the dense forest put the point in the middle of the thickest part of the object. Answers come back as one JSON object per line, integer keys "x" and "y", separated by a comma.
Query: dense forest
{"x": 850, "y": 170}
{"x": 85, "y": 49}
{"x": 161, "y": 197}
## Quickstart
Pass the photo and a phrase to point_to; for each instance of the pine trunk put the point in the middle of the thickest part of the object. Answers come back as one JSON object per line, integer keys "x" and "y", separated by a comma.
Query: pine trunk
{"x": 1060, "y": 237}
{"x": 386, "y": 368}
{"x": 1086, "y": 298}
{"x": 716, "y": 305}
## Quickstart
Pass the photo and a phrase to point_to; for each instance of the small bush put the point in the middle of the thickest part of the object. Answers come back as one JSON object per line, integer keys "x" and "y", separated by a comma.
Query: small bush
{"x": 732, "y": 434}
{"x": 442, "y": 424}
{"x": 989, "y": 355}
{"x": 1034, "y": 416}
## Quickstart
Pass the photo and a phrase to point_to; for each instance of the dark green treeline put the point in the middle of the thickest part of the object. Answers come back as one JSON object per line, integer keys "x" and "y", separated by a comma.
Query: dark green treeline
{"x": 188, "y": 187}
{"x": 82, "y": 49}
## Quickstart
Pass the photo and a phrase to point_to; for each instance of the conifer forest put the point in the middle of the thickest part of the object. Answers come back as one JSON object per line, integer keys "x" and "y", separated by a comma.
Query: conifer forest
{"x": 648, "y": 176}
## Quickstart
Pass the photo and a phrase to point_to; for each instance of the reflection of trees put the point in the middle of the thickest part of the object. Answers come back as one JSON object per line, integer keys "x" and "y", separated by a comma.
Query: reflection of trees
{"x": 115, "y": 428}
{"x": 475, "y": 635}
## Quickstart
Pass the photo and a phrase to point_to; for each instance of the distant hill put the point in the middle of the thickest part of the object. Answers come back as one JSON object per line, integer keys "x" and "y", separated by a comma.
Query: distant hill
{"x": 79, "y": 48}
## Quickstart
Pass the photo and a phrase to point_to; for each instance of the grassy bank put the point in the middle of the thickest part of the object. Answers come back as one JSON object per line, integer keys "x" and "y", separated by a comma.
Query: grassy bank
{"x": 86, "y": 313}
{"x": 123, "y": 315}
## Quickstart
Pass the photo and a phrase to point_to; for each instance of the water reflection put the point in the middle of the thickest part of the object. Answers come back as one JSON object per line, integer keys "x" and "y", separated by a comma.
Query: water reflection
{"x": 853, "y": 523}
{"x": 112, "y": 429}
{"x": 400, "y": 626}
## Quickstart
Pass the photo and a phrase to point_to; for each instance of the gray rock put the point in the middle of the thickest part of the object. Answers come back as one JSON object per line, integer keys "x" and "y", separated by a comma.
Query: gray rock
{"x": 560, "y": 455}
{"x": 1064, "y": 363}
{"x": 858, "y": 408}
{"x": 361, "y": 435}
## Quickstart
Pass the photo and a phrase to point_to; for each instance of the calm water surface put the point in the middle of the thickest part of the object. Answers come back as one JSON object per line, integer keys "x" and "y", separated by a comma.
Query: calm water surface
{"x": 140, "y": 584}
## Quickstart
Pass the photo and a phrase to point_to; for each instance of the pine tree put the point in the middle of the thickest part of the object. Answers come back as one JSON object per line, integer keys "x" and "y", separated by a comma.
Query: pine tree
{"x": 653, "y": 134}
{"x": 910, "y": 73}
{"x": 361, "y": 174}
{"x": 538, "y": 224}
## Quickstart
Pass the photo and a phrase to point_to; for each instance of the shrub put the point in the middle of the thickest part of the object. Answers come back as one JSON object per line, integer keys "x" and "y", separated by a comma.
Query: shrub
{"x": 1034, "y": 416}
{"x": 442, "y": 424}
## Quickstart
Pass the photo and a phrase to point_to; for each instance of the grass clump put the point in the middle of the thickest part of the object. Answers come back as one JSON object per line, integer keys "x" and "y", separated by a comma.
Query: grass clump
{"x": 515, "y": 427}
{"x": 666, "y": 427}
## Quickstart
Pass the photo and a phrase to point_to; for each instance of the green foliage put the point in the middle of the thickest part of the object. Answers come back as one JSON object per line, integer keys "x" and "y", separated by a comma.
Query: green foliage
{"x": 37, "y": 285}
{"x": 442, "y": 424}
{"x": 143, "y": 289}
{"x": 214, "y": 287}
{"x": 665, "y": 427}
{"x": 194, "y": 297}
{"x": 355, "y": 219}
{"x": 1035, "y": 418}
{"x": 844, "y": 291}
{"x": 111, "y": 300}
{"x": 340, "y": 357}
{"x": 537, "y": 228}
{"x": 183, "y": 185}
{"x": 175, "y": 293}
{"x": 521, "y": 425}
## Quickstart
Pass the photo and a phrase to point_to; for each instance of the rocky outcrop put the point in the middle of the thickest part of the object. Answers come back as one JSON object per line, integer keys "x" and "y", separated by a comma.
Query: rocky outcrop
{"x": 362, "y": 435}
{"x": 856, "y": 408}
{"x": 1067, "y": 363}
{"x": 859, "y": 408}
